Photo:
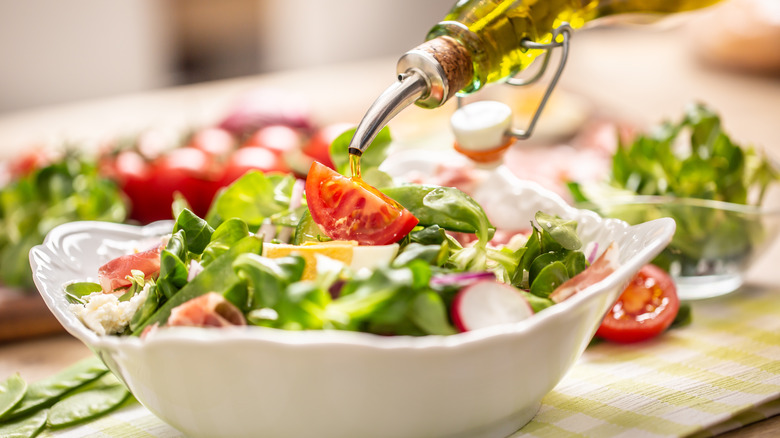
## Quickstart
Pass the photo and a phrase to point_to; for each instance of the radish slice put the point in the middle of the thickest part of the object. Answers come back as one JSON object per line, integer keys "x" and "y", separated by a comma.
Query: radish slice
{"x": 487, "y": 303}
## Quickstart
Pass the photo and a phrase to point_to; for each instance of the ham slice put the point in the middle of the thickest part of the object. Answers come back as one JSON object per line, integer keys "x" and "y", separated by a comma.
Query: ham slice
{"x": 208, "y": 310}
{"x": 599, "y": 270}
{"x": 113, "y": 275}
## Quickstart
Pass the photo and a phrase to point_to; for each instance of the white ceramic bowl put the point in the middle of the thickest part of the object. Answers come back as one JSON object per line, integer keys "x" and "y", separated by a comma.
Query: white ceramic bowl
{"x": 265, "y": 382}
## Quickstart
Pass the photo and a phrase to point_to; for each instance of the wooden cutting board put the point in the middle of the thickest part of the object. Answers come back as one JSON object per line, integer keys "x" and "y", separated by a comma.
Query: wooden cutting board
{"x": 24, "y": 315}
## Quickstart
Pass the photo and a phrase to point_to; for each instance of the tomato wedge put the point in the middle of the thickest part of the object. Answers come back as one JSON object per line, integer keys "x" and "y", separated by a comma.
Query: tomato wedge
{"x": 646, "y": 308}
{"x": 349, "y": 209}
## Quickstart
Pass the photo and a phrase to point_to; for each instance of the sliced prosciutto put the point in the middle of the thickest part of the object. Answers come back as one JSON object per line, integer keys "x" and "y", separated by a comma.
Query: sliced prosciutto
{"x": 208, "y": 310}
{"x": 599, "y": 270}
{"x": 113, "y": 275}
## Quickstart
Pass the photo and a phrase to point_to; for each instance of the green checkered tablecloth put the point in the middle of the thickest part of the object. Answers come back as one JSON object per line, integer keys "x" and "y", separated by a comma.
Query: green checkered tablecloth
{"x": 718, "y": 374}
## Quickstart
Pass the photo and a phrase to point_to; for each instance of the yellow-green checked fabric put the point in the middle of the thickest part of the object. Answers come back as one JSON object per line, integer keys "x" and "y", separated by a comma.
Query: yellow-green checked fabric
{"x": 718, "y": 374}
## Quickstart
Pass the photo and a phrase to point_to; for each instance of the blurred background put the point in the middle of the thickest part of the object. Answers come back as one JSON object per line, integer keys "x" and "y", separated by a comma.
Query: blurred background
{"x": 53, "y": 52}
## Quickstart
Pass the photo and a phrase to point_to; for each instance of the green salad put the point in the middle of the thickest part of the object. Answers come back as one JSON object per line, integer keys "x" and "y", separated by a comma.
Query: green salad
{"x": 412, "y": 294}
{"x": 692, "y": 171}
{"x": 32, "y": 205}
{"x": 250, "y": 261}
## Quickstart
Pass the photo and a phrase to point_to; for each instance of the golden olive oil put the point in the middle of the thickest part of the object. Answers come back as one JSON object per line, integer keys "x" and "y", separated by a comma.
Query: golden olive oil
{"x": 492, "y": 30}
{"x": 354, "y": 165}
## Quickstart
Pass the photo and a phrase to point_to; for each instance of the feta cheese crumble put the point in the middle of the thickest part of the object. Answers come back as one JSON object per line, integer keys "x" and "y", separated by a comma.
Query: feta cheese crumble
{"x": 105, "y": 314}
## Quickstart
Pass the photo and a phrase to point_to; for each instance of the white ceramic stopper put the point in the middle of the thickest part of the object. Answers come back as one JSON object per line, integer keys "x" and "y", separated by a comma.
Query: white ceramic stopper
{"x": 481, "y": 125}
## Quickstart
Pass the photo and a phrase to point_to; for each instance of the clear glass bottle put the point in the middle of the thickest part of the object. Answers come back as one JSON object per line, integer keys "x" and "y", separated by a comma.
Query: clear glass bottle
{"x": 492, "y": 30}
{"x": 481, "y": 41}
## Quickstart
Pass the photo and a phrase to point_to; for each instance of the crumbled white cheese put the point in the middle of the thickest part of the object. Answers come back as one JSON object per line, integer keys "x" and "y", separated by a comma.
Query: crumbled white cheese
{"x": 105, "y": 314}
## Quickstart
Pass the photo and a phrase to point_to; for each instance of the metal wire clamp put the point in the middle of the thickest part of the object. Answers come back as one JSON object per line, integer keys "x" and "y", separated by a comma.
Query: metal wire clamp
{"x": 564, "y": 31}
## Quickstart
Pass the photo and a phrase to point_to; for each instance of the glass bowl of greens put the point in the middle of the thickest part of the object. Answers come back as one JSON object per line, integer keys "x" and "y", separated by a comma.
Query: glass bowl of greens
{"x": 715, "y": 242}
{"x": 714, "y": 189}
{"x": 252, "y": 380}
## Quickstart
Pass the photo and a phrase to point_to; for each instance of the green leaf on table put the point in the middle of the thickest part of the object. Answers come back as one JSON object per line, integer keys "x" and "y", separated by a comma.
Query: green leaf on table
{"x": 86, "y": 405}
{"x": 11, "y": 392}
{"x": 24, "y": 427}
{"x": 46, "y": 392}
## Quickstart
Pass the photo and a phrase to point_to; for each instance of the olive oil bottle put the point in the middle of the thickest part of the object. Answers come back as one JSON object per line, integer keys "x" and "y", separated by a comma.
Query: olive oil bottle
{"x": 492, "y": 30}
{"x": 481, "y": 42}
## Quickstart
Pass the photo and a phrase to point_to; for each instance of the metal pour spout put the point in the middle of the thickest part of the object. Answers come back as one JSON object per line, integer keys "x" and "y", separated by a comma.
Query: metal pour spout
{"x": 428, "y": 75}
{"x": 410, "y": 86}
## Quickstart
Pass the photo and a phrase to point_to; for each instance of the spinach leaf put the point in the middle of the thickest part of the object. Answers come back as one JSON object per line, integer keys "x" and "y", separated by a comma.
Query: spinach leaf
{"x": 546, "y": 261}
{"x": 75, "y": 291}
{"x": 563, "y": 231}
{"x": 371, "y": 158}
{"x": 435, "y": 255}
{"x": 549, "y": 278}
{"x": 197, "y": 232}
{"x": 173, "y": 274}
{"x": 146, "y": 310}
{"x": 447, "y": 207}
{"x": 303, "y": 307}
{"x": 430, "y": 314}
{"x": 429, "y": 235}
{"x": 177, "y": 245}
{"x": 308, "y": 230}
{"x": 225, "y": 235}
{"x": 265, "y": 279}
{"x": 537, "y": 303}
{"x": 252, "y": 198}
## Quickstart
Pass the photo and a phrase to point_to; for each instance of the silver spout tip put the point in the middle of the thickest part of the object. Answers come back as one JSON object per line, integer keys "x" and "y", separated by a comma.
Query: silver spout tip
{"x": 396, "y": 97}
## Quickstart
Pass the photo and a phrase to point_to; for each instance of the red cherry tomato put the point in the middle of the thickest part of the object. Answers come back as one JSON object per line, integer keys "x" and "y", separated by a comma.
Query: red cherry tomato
{"x": 349, "y": 209}
{"x": 27, "y": 162}
{"x": 248, "y": 158}
{"x": 279, "y": 139}
{"x": 318, "y": 146}
{"x": 214, "y": 141}
{"x": 134, "y": 176}
{"x": 646, "y": 308}
{"x": 186, "y": 170}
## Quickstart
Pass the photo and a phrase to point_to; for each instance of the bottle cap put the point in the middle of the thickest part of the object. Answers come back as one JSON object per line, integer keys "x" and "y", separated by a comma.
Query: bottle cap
{"x": 481, "y": 128}
{"x": 481, "y": 125}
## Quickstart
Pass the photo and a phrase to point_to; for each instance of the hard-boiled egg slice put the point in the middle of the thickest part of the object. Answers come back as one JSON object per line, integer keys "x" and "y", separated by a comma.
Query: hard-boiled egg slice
{"x": 350, "y": 253}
